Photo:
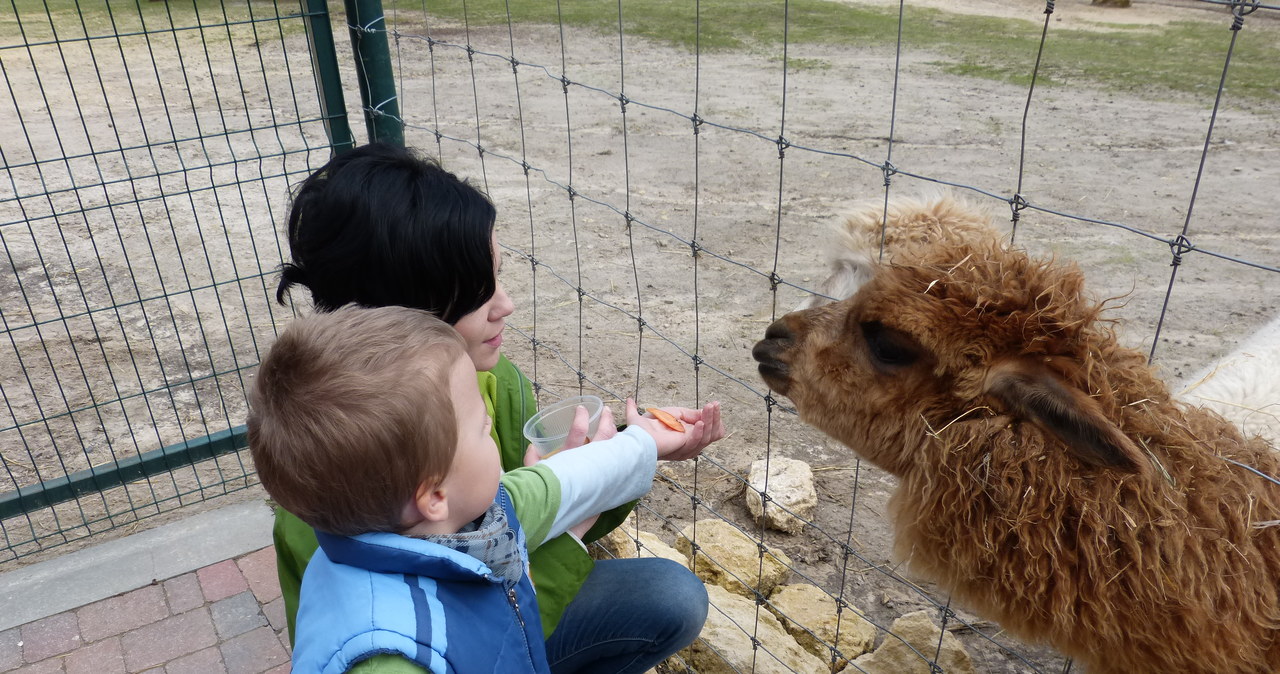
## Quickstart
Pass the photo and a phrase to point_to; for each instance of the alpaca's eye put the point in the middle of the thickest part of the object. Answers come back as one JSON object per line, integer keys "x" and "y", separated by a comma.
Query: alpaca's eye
{"x": 887, "y": 346}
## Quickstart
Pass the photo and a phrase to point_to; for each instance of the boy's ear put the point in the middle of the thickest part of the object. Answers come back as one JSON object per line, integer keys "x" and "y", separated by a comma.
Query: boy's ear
{"x": 430, "y": 503}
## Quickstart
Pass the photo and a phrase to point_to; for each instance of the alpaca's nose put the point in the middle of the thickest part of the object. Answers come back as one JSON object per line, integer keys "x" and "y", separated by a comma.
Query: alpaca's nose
{"x": 769, "y": 352}
{"x": 778, "y": 330}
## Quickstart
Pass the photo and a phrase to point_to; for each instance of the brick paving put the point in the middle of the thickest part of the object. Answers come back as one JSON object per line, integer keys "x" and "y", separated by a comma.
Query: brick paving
{"x": 225, "y": 618}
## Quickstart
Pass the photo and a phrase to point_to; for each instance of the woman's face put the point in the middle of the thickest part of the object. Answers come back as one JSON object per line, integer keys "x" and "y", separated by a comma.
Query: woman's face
{"x": 482, "y": 328}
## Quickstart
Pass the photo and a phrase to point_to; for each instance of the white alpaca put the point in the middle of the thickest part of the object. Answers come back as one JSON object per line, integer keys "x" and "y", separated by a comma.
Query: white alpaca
{"x": 1244, "y": 386}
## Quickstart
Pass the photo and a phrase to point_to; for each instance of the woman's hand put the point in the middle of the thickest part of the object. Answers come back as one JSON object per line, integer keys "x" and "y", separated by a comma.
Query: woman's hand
{"x": 701, "y": 428}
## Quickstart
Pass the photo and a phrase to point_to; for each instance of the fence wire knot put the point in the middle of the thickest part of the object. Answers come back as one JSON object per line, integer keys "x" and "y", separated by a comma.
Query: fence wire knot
{"x": 564, "y": 84}
{"x": 1178, "y": 247}
{"x": 1017, "y": 204}
{"x": 889, "y": 170}
{"x": 368, "y": 27}
{"x": 1241, "y": 9}
{"x": 1048, "y": 7}
{"x": 573, "y": 194}
{"x": 697, "y": 123}
{"x": 622, "y": 102}
{"x": 695, "y": 248}
{"x": 774, "y": 281}
{"x": 783, "y": 144}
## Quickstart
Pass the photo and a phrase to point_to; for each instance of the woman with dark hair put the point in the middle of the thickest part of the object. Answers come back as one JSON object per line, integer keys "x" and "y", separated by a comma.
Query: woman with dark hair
{"x": 382, "y": 226}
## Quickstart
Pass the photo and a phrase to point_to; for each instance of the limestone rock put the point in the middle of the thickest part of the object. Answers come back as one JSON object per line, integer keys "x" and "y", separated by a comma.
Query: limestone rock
{"x": 790, "y": 484}
{"x": 809, "y": 614}
{"x": 724, "y": 646}
{"x": 728, "y": 558}
{"x": 895, "y": 657}
{"x": 623, "y": 545}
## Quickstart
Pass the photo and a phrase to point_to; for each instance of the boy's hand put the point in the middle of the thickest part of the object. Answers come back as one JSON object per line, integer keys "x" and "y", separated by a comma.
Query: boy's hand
{"x": 701, "y": 428}
{"x": 578, "y": 433}
{"x": 578, "y": 429}
{"x": 577, "y": 438}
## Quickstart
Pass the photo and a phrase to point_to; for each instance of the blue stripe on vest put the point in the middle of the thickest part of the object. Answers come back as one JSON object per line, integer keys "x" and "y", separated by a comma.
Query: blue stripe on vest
{"x": 422, "y": 611}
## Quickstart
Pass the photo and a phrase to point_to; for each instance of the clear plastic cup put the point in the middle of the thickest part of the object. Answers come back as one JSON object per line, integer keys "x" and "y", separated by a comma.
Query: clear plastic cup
{"x": 548, "y": 429}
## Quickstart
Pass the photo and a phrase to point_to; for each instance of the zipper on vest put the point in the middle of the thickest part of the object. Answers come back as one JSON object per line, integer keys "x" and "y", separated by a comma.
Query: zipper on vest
{"x": 511, "y": 597}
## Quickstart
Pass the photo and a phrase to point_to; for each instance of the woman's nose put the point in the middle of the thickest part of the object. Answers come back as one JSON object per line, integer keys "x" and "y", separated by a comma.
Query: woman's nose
{"x": 502, "y": 304}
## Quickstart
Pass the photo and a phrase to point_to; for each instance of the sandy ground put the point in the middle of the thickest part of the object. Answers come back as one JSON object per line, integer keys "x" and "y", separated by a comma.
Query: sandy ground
{"x": 1094, "y": 154}
{"x": 646, "y": 186}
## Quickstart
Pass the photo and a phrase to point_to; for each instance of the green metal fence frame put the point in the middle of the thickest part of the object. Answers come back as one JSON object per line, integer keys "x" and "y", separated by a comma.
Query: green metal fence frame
{"x": 378, "y": 95}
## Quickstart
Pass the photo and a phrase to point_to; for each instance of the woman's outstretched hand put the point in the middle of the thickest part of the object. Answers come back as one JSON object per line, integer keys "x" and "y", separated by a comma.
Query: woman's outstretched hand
{"x": 701, "y": 428}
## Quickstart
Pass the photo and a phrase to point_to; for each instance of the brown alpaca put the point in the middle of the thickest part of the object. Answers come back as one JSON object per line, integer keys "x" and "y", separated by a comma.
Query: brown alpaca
{"x": 1047, "y": 478}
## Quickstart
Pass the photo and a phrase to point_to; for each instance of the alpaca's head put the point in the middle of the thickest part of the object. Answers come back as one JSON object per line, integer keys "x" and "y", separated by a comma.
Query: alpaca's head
{"x": 962, "y": 329}
{"x": 877, "y": 233}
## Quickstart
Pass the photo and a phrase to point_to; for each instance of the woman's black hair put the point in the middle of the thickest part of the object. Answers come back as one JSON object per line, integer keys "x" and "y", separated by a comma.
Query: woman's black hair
{"x": 382, "y": 226}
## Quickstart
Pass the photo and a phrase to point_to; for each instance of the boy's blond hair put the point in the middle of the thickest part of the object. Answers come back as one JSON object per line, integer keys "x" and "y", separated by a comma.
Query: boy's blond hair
{"x": 350, "y": 412}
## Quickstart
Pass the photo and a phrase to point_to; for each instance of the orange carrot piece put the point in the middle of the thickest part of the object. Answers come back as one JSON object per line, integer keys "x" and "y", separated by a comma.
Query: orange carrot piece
{"x": 666, "y": 419}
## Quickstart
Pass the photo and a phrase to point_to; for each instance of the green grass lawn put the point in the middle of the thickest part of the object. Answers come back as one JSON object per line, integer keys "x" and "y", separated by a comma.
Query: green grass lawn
{"x": 1162, "y": 61}
{"x": 1167, "y": 61}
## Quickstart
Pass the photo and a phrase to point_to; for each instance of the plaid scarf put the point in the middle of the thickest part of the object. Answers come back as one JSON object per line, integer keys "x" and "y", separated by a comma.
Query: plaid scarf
{"x": 491, "y": 540}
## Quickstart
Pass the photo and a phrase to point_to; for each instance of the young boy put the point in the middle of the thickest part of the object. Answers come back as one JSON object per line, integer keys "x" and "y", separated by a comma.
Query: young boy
{"x": 367, "y": 425}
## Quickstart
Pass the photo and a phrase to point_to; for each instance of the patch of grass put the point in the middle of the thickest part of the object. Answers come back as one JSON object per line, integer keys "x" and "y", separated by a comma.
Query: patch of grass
{"x": 1168, "y": 61}
{"x": 990, "y": 72}
{"x": 1178, "y": 60}
{"x": 806, "y": 63}
{"x": 77, "y": 19}
{"x": 711, "y": 25}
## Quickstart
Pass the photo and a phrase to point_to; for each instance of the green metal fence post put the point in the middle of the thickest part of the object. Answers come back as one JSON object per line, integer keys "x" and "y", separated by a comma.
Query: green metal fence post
{"x": 373, "y": 70}
{"x": 324, "y": 59}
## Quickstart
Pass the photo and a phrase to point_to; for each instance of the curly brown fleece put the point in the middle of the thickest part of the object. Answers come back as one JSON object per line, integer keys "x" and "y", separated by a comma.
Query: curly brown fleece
{"x": 1047, "y": 478}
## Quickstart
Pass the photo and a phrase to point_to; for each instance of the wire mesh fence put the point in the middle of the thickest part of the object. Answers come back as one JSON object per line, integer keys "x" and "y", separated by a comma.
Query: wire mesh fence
{"x": 148, "y": 149}
{"x": 668, "y": 201}
{"x": 666, "y": 178}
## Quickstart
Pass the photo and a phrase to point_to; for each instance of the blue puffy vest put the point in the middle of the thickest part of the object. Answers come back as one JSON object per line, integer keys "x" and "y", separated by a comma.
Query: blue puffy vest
{"x": 385, "y": 593}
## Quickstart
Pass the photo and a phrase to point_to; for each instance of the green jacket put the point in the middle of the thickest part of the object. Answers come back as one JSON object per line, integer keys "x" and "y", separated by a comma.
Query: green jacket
{"x": 558, "y": 568}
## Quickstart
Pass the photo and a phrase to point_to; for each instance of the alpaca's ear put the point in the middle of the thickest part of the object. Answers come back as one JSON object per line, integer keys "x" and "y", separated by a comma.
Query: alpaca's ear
{"x": 1038, "y": 394}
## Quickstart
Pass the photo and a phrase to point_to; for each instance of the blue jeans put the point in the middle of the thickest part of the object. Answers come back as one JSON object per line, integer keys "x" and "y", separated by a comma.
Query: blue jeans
{"x": 630, "y": 615}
